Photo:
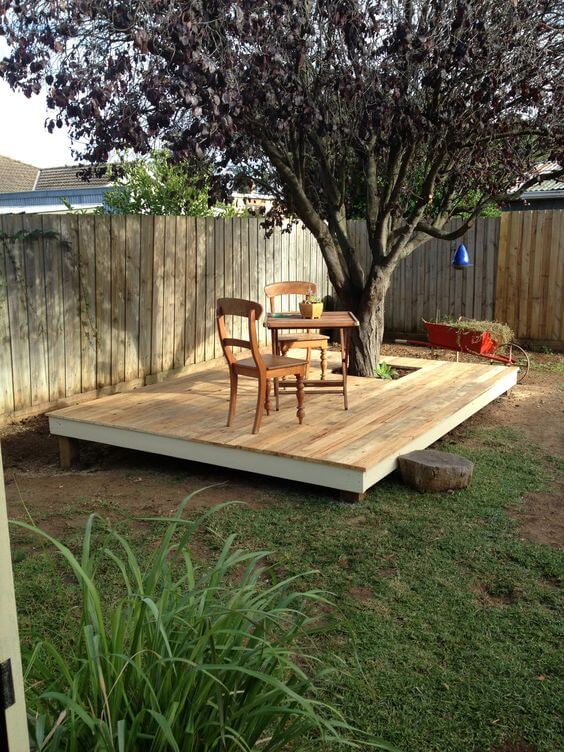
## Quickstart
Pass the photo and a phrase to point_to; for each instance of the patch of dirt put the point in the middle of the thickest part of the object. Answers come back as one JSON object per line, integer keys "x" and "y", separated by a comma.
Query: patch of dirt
{"x": 534, "y": 408}
{"x": 491, "y": 597}
{"x": 387, "y": 572}
{"x": 515, "y": 747}
{"x": 362, "y": 594}
{"x": 395, "y": 373}
{"x": 399, "y": 373}
{"x": 542, "y": 517}
{"x": 29, "y": 446}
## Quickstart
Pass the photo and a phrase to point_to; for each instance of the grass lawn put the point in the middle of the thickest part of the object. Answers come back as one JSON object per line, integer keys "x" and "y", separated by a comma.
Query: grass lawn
{"x": 447, "y": 628}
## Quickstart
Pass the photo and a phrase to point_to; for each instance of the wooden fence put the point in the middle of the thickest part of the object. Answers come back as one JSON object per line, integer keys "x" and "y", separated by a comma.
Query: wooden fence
{"x": 530, "y": 281}
{"x": 93, "y": 304}
{"x": 90, "y": 302}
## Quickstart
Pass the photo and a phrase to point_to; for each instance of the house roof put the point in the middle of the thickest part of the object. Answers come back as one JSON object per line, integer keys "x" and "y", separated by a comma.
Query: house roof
{"x": 52, "y": 178}
{"x": 29, "y": 189}
{"x": 16, "y": 176}
{"x": 547, "y": 188}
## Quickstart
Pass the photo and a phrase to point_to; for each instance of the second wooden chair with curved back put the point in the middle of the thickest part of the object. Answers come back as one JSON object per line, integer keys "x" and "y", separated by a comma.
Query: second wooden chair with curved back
{"x": 264, "y": 368}
{"x": 304, "y": 340}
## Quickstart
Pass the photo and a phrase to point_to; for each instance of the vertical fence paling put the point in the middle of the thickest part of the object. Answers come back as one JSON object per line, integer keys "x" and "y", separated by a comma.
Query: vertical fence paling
{"x": 91, "y": 302}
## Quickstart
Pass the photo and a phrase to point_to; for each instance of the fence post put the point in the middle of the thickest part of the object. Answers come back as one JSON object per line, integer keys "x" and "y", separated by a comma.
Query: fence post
{"x": 13, "y": 722}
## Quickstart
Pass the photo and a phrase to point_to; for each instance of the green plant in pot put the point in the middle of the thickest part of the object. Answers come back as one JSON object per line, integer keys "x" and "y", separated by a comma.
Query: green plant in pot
{"x": 311, "y": 307}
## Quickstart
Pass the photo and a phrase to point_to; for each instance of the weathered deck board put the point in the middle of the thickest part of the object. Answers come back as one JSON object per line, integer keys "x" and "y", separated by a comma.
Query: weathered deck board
{"x": 347, "y": 450}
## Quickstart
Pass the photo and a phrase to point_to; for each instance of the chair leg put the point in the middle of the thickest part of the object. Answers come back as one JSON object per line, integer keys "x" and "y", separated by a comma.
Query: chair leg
{"x": 277, "y": 394}
{"x": 308, "y": 361}
{"x": 323, "y": 362}
{"x": 284, "y": 351}
{"x": 267, "y": 397}
{"x": 300, "y": 395}
{"x": 260, "y": 405}
{"x": 233, "y": 379}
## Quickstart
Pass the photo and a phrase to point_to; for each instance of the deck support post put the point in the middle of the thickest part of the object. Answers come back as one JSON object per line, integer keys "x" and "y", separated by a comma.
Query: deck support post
{"x": 69, "y": 452}
{"x": 352, "y": 497}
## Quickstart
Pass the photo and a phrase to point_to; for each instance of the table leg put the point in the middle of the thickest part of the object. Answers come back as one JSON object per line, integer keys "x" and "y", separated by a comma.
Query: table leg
{"x": 300, "y": 395}
{"x": 349, "y": 333}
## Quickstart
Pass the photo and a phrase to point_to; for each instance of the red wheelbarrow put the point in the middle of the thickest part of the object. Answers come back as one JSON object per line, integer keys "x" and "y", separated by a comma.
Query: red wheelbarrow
{"x": 447, "y": 337}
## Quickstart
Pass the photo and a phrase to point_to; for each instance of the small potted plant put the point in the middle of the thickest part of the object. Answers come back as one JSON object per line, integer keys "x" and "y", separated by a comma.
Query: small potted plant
{"x": 311, "y": 307}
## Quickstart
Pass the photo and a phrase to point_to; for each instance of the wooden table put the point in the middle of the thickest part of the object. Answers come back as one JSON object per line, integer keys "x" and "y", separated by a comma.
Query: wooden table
{"x": 345, "y": 321}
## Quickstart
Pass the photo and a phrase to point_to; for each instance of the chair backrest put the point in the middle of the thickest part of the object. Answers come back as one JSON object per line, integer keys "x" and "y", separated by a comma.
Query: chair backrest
{"x": 246, "y": 309}
{"x": 277, "y": 289}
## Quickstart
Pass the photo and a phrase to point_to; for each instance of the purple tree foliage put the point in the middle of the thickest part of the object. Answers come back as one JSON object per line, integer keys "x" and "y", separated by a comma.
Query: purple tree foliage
{"x": 426, "y": 109}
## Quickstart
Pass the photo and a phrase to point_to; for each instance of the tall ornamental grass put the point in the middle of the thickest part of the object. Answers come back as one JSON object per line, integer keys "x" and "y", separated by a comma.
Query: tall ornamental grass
{"x": 185, "y": 659}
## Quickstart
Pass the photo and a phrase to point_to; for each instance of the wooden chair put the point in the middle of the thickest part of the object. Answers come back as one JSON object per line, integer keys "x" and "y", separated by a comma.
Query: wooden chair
{"x": 305, "y": 340}
{"x": 258, "y": 366}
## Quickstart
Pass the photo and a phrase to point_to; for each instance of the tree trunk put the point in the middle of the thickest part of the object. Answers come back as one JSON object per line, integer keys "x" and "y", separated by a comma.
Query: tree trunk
{"x": 366, "y": 303}
{"x": 365, "y": 346}
{"x": 367, "y": 339}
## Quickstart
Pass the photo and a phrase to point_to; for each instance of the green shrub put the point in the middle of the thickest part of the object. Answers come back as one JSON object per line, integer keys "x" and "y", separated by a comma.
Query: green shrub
{"x": 186, "y": 658}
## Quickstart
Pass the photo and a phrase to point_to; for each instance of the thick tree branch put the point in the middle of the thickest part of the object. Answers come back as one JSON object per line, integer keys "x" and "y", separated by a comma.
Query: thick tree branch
{"x": 400, "y": 177}
{"x": 338, "y": 228}
{"x": 372, "y": 197}
{"x": 426, "y": 196}
{"x": 435, "y": 232}
{"x": 309, "y": 216}
{"x": 391, "y": 175}
{"x": 336, "y": 213}
{"x": 332, "y": 192}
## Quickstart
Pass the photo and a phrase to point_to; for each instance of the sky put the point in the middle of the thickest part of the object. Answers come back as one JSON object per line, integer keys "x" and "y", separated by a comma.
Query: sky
{"x": 22, "y": 133}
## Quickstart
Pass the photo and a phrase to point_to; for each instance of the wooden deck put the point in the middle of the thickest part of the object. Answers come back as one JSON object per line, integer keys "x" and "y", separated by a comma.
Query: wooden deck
{"x": 346, "y": 450}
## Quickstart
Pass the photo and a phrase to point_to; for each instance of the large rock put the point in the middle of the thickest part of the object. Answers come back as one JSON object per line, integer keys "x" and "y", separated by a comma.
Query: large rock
{"x": 430, "y": 470}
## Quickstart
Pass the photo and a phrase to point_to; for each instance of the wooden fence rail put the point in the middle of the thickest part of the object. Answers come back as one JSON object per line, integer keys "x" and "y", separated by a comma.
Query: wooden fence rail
{"x": 92, "y": 304}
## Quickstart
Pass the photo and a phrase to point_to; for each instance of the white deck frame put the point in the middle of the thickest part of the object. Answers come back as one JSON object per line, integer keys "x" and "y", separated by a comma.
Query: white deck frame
{"x": 263, "y": 463}
{"x": 316, "y": 472}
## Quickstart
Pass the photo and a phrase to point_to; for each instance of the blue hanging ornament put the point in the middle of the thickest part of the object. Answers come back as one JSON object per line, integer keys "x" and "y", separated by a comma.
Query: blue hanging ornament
{"x": 461, "y": 259}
